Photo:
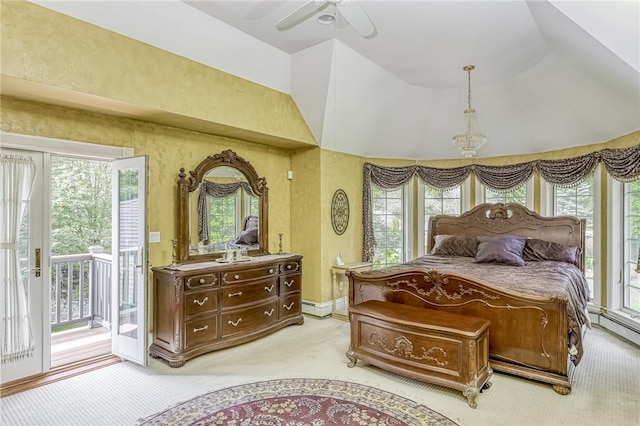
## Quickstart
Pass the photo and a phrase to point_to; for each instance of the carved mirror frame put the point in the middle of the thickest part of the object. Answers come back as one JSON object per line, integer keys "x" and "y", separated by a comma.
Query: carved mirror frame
{"x": 187, "y": 185}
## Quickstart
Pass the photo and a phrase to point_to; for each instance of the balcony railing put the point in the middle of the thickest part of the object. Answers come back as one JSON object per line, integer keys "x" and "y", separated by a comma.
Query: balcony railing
{"x": 81, "y": 289}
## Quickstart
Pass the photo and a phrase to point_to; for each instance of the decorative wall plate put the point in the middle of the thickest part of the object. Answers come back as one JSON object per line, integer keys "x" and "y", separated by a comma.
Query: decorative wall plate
{"x": 340, "y": 212}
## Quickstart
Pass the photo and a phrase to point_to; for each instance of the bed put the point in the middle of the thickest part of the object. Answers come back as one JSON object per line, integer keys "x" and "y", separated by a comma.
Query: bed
{"x": 537, "y": 311}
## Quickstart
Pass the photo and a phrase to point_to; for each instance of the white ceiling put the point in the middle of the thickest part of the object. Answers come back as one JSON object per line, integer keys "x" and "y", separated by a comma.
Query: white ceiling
{"x": 548, "y": 75}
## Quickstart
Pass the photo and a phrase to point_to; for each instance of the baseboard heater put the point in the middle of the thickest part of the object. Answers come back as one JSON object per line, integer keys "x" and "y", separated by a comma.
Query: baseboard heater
{"x": 317, "y": 309}
{"x": 617, "y": 326}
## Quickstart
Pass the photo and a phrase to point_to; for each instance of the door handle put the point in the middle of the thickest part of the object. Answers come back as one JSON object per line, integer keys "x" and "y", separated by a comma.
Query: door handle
{"x": 38, "y": 262}
{"x": 139, "y": 258}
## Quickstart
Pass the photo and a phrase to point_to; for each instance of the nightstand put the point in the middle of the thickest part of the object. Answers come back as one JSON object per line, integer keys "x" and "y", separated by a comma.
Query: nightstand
{"x": 340, "y": 289}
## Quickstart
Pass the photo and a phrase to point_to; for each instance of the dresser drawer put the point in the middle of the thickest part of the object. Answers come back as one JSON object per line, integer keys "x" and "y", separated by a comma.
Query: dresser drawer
{"x": 199, "y": 331}
{"x": 290, "y": 266}
{"x": 290, "y": 306}
{"x": 242, "y": 294}
{"x": 198, "y": 281}
{"x": 198, "y": 302}
{"x": 247, "y": 320}
{"x": 289, "y": 283}
{"x": 233, "y": 277}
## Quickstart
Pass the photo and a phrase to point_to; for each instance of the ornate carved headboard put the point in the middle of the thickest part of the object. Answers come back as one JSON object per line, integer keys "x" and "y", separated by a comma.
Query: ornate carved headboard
{"x": 510, "y": 218}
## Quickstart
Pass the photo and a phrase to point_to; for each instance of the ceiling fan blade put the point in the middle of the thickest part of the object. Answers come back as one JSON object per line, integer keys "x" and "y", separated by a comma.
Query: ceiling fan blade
{"x": 356, "y": 17}
{"x": 298, "y": 15}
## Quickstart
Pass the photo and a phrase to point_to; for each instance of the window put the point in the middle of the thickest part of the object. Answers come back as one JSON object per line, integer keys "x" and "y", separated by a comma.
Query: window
{"x": 631, "y": 283}
{"x": 223, "y": 223}
{"x": 517, "y": 195}
{"x": 437, "y": 201}
{"x": 521, "y": 195}
{"x": 579, "y": 201}
{"x": 388, "y": 224}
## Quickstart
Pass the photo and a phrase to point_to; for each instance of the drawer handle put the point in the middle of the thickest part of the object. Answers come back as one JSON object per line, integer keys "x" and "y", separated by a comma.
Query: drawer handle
{"x": 269, "y": 313}
{"x": 201, "y": 280}
{"x": 235, "y": 294}
{"x": 290, "y": 283}
{"x": 268, "y": 289}
{"x": 200, "y": 303}
{"x": 195, "y": 330}
{"x": 235, "y": 277}
{"x": 271, "y": 271}
{"x": 288, "y": 266}
{"x": 288, "y": 308}
{"x": 235, "y": 323}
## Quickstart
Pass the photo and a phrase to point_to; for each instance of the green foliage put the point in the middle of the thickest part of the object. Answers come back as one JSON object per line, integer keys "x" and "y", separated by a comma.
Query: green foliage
{"x": 222, "y": 218}
{"x": 516, "y": 195}
{"x": 80, "y": 205}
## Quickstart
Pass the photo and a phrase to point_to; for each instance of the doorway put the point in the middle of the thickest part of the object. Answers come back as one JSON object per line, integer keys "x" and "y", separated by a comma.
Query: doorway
{"x": 80, "y": 207}
{"x": 81, "y": 292}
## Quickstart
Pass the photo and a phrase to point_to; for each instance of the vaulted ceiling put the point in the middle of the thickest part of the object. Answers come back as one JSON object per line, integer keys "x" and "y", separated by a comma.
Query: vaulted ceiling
{"x": 548, "y": 75}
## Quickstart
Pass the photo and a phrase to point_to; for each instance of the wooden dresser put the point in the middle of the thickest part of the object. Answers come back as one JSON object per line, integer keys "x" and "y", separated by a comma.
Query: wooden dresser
{"x": 206, "y": 306}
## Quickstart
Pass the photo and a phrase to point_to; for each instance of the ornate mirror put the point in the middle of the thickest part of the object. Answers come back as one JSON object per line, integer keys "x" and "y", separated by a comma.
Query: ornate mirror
{"x": 222, "y": 205}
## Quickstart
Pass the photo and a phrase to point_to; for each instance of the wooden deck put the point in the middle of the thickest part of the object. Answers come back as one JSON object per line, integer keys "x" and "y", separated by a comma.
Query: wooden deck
{"x": 71, "y": 346}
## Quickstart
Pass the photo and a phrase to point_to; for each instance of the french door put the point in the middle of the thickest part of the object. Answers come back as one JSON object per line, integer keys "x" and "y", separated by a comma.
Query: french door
{"x": 34, "y": 267}
{"x": 129, "y": 259}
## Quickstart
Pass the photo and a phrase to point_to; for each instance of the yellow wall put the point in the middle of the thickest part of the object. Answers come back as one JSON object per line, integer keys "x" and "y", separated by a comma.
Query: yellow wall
{"x": 100, "y": 67}
{"x": 168, "y": 149}
{"x": 84, "y": 63}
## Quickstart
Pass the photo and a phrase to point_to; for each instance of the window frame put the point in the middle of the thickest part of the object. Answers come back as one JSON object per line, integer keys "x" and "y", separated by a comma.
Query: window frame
{"x": 529, "y": 193}
{"x": 547, "y": 206}
{"x": 421, "y": 231}
{"x": 405, "y": 196}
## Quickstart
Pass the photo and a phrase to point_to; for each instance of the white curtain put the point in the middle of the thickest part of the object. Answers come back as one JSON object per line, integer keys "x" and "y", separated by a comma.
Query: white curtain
{"x": 17, "y": 174}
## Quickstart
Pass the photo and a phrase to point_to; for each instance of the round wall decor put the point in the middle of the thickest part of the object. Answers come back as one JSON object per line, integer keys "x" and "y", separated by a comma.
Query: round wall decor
{"x": 340, "y": 212}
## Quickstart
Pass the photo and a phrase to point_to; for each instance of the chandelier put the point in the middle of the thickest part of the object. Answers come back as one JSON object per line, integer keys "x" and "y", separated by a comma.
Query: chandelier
{"x": 469, "y": 141}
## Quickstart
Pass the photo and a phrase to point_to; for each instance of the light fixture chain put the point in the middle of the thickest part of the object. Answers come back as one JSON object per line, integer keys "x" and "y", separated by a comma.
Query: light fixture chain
{"x": 469, "y": 89}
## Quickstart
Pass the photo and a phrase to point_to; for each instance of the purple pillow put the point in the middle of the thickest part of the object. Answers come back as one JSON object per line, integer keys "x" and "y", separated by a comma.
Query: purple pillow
{"x": 250, "y": 236}
{"x": 455, "y": 245}
{"x": 505, "y": 249}
{"x": 535, "y": 250}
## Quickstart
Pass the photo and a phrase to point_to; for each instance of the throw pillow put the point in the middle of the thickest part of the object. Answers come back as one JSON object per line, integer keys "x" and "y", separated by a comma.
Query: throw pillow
{"x": 505, "y": 249}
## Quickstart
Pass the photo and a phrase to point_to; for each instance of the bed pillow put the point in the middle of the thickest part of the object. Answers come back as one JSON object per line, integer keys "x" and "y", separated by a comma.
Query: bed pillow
{"x": 455, "y": 245}
{"x": 505, "y": 249}
{"x": 250, "y": 222}
{"x": 249, "y": 236}
{"x": 535, "y": 250}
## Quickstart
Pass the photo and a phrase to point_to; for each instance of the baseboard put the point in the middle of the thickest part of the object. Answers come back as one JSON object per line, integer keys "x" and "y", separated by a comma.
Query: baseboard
{"x": 616, "y": 324}
{"x": 317, "y": 309}
{"x": 57, "y": 374}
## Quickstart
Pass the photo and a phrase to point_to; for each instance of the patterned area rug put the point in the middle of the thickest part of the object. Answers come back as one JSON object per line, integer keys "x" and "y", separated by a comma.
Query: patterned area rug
{"x": 299, "y": 402}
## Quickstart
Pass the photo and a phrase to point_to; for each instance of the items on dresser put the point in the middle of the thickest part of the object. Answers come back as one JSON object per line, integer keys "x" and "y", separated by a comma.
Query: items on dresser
{"x": 206, "y": 306}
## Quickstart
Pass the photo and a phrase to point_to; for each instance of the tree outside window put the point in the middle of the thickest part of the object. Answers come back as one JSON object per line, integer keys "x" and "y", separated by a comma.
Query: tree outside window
{"x": 631, "y": 287}
{"x": 388, "y": 217}
{"x": 516, "y": 195}
{"x": 578, "y": 201}
{"x": 437, "y": 201}
{"x": 222, "y": 218}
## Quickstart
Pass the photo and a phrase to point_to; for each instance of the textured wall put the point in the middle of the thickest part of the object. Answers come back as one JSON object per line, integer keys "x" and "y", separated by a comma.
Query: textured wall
{"x": 305, "y": 229}
{"x": 55, "y": 50}
{"x": 168, "y": 150}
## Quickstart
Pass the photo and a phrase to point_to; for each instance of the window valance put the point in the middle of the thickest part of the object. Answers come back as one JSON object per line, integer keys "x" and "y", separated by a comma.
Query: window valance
{"x": 622, "y": 164}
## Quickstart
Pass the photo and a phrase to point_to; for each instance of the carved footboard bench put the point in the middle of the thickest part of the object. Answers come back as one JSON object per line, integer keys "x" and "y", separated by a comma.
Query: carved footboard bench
{"x": 528, "y": 335}
{"x": 437, "y": 347}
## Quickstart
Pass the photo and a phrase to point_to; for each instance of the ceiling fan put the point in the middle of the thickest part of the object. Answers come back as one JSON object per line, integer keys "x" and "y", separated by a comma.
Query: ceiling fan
{"x": 349, "y": 9}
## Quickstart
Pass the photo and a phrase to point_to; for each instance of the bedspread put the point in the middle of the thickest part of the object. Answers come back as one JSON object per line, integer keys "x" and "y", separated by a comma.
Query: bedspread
{"x": 543, "y": 278}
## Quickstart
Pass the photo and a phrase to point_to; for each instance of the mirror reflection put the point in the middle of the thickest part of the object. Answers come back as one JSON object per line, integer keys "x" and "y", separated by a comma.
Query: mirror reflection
{"x": 222, "y": 207}
{"x": 226, "y": 213}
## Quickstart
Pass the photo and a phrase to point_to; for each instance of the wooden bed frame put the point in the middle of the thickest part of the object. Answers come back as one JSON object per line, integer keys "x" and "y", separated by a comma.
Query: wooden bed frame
{"x": 528, "y": 334}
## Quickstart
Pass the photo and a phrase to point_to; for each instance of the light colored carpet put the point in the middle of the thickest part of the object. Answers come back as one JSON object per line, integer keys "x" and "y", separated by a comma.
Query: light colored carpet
{"x": 606, "y": 389}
